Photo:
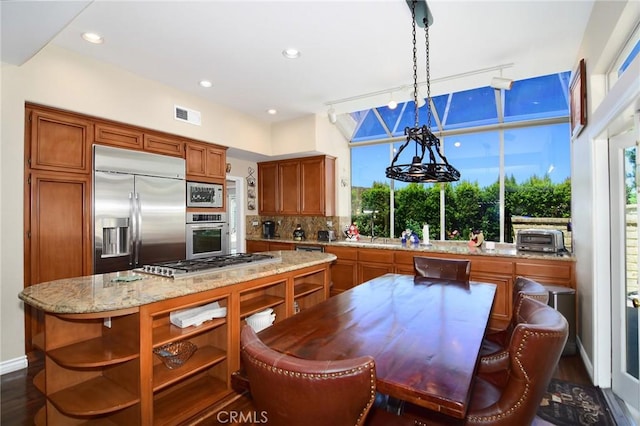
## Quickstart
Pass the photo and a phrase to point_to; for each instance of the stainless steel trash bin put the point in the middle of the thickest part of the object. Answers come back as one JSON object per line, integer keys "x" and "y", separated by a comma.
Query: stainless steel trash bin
{"x": 563, "y": 300}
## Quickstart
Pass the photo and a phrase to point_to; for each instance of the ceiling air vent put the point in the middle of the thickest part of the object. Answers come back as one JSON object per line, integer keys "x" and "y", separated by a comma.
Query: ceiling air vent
{"x": 187, "y": 115}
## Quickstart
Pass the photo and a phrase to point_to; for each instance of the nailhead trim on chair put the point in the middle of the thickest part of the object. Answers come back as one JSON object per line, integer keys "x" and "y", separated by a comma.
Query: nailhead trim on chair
{"x": 527, "y": 335}
{"x": 369, "y": 366}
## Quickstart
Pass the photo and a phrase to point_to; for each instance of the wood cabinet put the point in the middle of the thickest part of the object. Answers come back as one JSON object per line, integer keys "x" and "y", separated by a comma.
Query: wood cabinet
{"x": 344, "y": 270}
{"x": 302, "y": 186}
{"x": 500, "y": 273}
{"x": 120, "y": 136}
{"x": 268, "y": 192}
{"x": 373, "y": 263}
{"x": 205, "y": 162}
{"x": 58, "y": 141}
{"x": 163, "y": 144}
{"x": 101, "y": 368}
{"x": 253, "y": 246}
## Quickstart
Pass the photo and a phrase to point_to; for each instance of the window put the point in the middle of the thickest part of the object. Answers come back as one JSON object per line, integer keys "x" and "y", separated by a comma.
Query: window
{"x": 516, "y": 166}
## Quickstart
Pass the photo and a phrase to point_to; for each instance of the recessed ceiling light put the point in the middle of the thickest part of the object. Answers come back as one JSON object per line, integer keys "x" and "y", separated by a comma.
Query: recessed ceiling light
{"x": 205, "y": 83}
{"x": 93, "y": 38}
{"x": 272, "y": 111}
{"x": 291, "y": 53}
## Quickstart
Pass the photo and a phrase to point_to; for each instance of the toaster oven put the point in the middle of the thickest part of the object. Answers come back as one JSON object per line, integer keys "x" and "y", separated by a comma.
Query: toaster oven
{"x": 544, "y": 240}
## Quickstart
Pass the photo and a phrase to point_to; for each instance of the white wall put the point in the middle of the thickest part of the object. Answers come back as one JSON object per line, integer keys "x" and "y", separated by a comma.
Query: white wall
{"x": 609, "y": 25}
{"x": 63, "y": 79}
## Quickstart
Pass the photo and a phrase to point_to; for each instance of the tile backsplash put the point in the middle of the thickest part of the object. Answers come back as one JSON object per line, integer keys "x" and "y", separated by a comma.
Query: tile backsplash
{"x": 285, "y": 225}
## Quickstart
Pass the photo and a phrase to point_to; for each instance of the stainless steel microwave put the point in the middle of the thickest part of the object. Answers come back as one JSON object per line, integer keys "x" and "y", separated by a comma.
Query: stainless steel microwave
{"x": 205, "y": 194}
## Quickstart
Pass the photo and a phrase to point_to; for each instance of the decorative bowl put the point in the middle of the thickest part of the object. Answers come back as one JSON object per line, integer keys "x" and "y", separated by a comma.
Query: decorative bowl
{"x": 175, "y": 354}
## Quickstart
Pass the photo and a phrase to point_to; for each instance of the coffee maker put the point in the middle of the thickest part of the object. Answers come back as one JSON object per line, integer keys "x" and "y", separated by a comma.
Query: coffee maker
{"x": 268, "y": 229}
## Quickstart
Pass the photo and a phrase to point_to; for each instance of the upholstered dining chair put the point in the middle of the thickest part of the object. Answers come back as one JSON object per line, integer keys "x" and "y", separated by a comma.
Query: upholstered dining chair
{"x": 450, "y": 269}
{"x": 497, "y": 341}
{"x": 294, "y": 391}
{"x": 526, "y": 368}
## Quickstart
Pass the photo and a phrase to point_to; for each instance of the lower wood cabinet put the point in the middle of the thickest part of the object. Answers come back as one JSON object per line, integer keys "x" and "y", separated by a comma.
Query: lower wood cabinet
{"x": 256, "y": 246}
{"x": 344, "y": 270}
{"x": 373, "y": 263}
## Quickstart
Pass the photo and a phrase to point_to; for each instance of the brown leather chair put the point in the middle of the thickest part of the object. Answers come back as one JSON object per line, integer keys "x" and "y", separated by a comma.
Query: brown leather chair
{"x": 294, "y": 391}
{"x": 449, "y": 269}
{"x": 497, "y": 341}
{"x": 526, "y": 369}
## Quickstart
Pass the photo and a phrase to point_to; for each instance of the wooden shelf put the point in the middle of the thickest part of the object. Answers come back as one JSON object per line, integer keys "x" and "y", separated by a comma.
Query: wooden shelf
{"x": 187, "y": 401}
{"x": 40, "y": 419}
{"x": 39, "y": 381}
{"x": 93, "y": 397}
{"x": 171, "y": 333}
{"x": 38, "y": 341}
{"x": 304, "y": 289}
{"x": 259, "y": 303}
{"x": 97, "y": 352}
{"x": 203, "y": 358}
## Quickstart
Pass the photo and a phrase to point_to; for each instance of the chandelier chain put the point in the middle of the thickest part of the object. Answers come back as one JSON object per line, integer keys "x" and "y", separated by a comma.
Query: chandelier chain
{"x": 426, "y": 41}
{"x": 415, "y": 64}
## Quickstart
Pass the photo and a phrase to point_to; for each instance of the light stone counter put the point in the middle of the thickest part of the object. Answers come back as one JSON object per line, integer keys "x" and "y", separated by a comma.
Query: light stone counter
{"x": 452, "y": 247}
{"x": 115, "y": 291}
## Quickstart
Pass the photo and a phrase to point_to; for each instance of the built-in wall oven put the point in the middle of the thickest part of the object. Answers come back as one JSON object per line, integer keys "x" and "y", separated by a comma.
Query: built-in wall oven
{"x": 207, "y": 235}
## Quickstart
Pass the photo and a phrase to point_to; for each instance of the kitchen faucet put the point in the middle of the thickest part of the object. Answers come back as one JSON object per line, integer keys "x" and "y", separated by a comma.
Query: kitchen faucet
{"x": 373, "y": 216}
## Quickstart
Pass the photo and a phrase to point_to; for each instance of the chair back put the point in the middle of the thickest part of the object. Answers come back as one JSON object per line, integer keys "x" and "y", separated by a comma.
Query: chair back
{"x": 292, "y": 391}
{"x": 530, "y": 288}
{"x": 536, "y": 345}
{"x": 449, "y": 269}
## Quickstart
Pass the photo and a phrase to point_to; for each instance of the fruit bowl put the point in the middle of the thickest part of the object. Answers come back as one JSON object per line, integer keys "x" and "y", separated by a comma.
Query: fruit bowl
{"x": 175, "y": 354}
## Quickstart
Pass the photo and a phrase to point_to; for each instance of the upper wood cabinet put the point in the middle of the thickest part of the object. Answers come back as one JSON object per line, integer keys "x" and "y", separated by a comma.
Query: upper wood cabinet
{"x": 58, "y": 141}
{"x": 118, "y": 135}
{"x": 206, "y": 162}
{"x": 163, "y": 144}
{"x": 302, "y": 186}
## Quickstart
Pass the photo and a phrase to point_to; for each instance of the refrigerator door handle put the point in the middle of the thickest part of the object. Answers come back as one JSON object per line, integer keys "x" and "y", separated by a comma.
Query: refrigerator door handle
{"x": 132, "y": 229}
{"x": 138, "y": 228}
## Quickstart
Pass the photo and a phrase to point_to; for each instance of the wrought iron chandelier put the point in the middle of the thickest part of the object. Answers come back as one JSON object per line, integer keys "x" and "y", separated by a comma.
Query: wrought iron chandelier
{"x": 420, "y": 171}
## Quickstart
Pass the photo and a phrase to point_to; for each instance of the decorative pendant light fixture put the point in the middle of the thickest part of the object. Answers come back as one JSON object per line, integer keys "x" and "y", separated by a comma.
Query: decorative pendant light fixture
{"x": 420, "y": 171}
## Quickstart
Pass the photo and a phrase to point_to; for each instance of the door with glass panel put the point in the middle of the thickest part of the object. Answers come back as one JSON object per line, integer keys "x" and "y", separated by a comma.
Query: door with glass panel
{"x": 625, "y": 258}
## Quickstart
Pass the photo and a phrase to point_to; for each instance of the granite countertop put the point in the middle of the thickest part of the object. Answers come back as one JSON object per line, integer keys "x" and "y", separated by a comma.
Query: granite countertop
{"x": 128, "y": 289}
{"x": 453, "y": 247}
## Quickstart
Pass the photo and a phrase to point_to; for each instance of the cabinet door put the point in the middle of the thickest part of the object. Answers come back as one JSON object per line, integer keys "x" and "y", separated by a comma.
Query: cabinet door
{"x": 273, "y": 246}
{"x": 205, "y": 162}
{"x": 312, "y": 186}
{"x": 344, "y": 275}
{"x": 60, "y": 239}
{"x": 267, "y": 188}
{"x": 216, "y": 163}
{"x": 119, "y": 136}
{"x": 369, "y": 270}
{"x": 317, "y": 186}
{"x": 502, "y": 309}
{"x": 289, "y": 187}
{"x": 59, "y": 142}
{"x": 163, "y": 145}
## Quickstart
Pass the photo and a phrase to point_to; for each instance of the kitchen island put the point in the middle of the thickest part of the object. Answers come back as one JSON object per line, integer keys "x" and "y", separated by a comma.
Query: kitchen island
{"x": 361, "y": 261}
{"x": 101, "y": 332}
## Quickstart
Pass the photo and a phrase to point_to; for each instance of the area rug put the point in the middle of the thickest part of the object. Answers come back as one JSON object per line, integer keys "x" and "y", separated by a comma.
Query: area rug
{"x": 570, "y": 404}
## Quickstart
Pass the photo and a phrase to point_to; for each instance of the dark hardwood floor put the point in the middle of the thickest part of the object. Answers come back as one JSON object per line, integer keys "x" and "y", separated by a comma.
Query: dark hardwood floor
{"x": 20, "y": 400}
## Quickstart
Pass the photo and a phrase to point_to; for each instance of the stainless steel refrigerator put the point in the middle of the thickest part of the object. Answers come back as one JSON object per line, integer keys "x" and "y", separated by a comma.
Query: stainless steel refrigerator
{"x": 139, "y": 208}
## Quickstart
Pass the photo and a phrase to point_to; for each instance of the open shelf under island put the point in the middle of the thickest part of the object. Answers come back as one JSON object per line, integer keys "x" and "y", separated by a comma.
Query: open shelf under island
{"x": 101, "y": 331}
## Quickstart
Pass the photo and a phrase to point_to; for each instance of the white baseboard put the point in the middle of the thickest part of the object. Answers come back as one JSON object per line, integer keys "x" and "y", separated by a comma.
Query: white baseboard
{"x": 585, "y": 359}
{"x": 13, "y": 365}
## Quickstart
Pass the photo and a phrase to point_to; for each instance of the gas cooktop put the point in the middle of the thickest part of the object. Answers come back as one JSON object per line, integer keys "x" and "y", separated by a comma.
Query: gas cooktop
{"x": 207, "y": 265}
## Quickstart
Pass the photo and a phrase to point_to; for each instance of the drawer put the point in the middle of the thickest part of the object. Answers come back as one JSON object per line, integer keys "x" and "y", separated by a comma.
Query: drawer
{"x": 375, "y": 255}
{"x": 347, "y": 253}
{"x": 405, "y": 257}
{"x": 552, "y": 270}
{"x": 502, "y": 267}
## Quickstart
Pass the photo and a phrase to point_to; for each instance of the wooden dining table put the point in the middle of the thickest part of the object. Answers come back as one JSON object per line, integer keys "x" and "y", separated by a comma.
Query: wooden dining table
{"x": 424, "y": 334}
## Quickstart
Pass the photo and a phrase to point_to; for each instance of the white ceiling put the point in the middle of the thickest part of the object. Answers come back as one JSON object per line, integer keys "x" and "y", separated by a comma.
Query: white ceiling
{"x": 350, "y": 49}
